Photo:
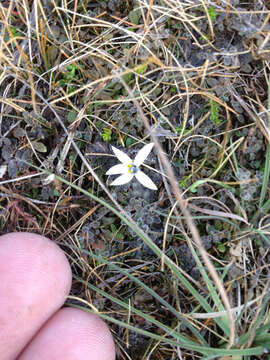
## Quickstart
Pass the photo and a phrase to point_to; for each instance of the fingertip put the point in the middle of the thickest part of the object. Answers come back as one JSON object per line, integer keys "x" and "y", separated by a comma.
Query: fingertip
{"x": 32, "y": 255}
{"x": 72, "y": 334}
{"x": 35, "y": 281}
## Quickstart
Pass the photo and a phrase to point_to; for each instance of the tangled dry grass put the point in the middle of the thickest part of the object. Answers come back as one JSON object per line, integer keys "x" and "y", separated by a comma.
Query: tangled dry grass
{"x": 182, "y": 272}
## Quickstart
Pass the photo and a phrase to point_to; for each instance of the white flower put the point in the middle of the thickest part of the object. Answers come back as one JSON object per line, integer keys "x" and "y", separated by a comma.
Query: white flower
{"x": 130, "y": 168}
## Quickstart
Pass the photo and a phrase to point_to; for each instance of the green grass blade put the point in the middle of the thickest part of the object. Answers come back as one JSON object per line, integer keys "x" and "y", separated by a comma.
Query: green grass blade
{"x": 182, "y": 341}
{"x": 266, "y": 173}
{"x": 222, "y": 322}
{"x": 176, "y": 313}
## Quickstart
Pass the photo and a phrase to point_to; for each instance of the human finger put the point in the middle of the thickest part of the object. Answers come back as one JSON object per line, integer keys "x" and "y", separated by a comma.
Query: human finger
{"x": 71, "y": 334}
{"x": 35, "y": 279}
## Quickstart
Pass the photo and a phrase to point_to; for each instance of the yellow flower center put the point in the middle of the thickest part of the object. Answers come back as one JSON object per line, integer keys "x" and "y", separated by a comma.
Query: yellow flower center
{"x": 132, "y": 169}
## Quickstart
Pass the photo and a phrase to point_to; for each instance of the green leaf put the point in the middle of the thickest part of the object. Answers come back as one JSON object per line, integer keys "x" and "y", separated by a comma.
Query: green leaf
{"x": 221, "y": 248}
{"x": 214, "y": 112}
{"x": 129, "y": 141}
{"x": 39, "y": 146}
{"x": 134, "y": 16}
{"x": 141, "y": 68}
{"x": 107, "y": 134}
{"x": 71, "y": 116}
{"x": 128, "y": 77}
{"x": 212, "y": 13}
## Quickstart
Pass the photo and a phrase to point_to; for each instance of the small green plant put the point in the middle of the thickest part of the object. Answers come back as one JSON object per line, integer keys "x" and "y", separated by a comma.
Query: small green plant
{"x": 212, "y": 13}
{"x": 129, "y": 141}
{"x": 12, "y": 35}
{"x": 15, "y": 32}
{"x": 179, "y": 130}
{"x": 135, "y": 15}
{"x": 68, "y": 77}
{"x": 221, "y": 248}
{"x": 128, "y": 77}
{"x": 214, "y": 112}
{"x": 107, "y": 134}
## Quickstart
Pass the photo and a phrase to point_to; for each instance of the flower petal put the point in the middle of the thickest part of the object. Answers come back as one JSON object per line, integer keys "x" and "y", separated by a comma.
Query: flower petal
{"x": 145, "y": 180}
{"x": 117, "y": 169}
{"x": 123, "y": 179}
{"x": 142, "y": 154}
{"x": 121, "y": 156}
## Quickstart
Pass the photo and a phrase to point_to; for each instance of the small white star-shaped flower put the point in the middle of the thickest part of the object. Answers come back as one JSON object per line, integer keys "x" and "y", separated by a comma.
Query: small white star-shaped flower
{"x": 130, "y": 168}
